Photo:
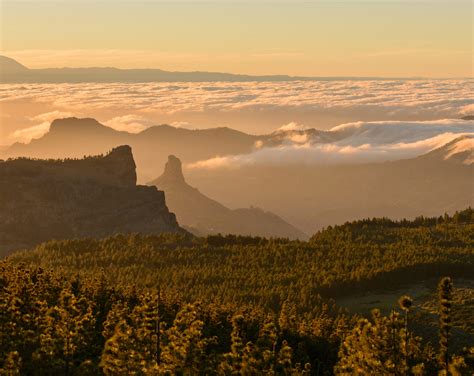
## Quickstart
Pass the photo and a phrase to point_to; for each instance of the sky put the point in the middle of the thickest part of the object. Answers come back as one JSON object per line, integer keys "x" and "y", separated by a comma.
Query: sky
{"x": 430, "y": 38}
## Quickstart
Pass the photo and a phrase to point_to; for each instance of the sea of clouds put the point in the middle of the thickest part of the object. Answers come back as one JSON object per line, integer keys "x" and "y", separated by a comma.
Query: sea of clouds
{"x": 381, "y": 120}
{"x": 255, "y": 107}
{"x": 439, "y": 97}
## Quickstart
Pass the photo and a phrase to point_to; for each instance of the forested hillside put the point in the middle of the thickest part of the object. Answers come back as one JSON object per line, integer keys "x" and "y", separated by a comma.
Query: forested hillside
{"x": 240, "y": 269}
{"x": 175, "y": 304}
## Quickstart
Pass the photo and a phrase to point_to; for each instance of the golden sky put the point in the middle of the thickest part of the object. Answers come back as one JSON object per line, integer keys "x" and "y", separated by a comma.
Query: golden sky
{"x": 430, "y": 38}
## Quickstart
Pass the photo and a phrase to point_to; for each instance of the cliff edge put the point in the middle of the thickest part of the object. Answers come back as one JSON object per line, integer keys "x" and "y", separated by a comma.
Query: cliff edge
{"x": 74, "y": 198}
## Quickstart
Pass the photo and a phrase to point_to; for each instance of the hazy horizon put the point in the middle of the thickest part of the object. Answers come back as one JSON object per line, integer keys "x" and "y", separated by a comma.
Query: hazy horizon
{"x": 38, "y": 56}
{"x": 431, "y": 38}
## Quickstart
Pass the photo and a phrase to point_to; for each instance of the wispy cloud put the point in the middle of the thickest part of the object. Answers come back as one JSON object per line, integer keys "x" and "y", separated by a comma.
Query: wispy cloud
{"x": 42, "y": 123}
{"x": 129, "y": 123}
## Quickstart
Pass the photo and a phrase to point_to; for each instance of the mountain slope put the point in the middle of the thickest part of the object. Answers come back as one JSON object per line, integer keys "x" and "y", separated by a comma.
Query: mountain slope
{"x": 206, "y": 216}
{"x": 91, "y": 197}
{"x": 10, "y": 66}
{"x": 317, "y": 196}
{"x": 460, "y": 150}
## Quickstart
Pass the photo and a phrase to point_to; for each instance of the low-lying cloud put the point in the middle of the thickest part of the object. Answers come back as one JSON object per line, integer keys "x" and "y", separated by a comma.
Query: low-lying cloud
{"x": 129, "y": 123}
{"x": 354, "y": 143}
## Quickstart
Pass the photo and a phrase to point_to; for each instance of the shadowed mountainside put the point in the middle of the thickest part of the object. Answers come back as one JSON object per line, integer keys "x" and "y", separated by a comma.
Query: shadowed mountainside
{"x": 313, "y": 197}
{"x": 204, "y": 216}
{"x": 64, "y": 199}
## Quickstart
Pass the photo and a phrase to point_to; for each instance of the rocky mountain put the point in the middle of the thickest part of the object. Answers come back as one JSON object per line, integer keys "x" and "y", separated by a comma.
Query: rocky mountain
{"x": 74, "y": 138}
{"x": 90, "y": 197}
{"x": 203, "y": 216}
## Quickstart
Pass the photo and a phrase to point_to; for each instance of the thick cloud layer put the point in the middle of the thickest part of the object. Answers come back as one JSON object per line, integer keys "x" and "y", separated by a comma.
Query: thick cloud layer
{"x": 353, "y": 143}
{"x": 255, "y": 107}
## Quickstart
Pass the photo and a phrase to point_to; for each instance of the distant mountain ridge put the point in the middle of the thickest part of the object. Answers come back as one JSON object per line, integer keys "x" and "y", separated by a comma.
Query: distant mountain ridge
{"x": 13, "y": 72}
{"x": 74, "y": 138}
{"x": 204, "y": 216}
{"x": 64, "y": 199}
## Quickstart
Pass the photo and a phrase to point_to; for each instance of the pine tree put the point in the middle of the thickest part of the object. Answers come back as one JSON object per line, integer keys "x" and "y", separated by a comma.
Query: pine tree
{"x": 445, "y": 295}
{"x": 12, "y": 365}
{"x": 284, "y": 365}
{"x": 376, "y": 347}
{"x": 184, "y": 351}
{"x": 66, "y": 329}
{"x": 120, "y": 355}
{"x": 405, "y": 303}
{"x": 232, "y": 361}
{"x": 266, "y": 345}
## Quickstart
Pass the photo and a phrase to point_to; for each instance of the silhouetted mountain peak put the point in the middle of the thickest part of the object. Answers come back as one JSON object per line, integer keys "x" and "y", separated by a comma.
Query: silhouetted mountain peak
{"x": 73, "y": 124}
{"x": 173, "y": 171}
{"x": 10, "y": 66}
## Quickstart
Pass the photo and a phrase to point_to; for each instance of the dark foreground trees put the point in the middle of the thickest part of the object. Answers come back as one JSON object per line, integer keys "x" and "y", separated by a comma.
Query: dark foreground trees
{"x": 51, "y": 324}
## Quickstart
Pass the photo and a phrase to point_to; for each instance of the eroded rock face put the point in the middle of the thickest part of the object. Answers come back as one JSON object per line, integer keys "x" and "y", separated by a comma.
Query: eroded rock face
{"x": 91, "y": 197}
{"x": 173, "y": 172}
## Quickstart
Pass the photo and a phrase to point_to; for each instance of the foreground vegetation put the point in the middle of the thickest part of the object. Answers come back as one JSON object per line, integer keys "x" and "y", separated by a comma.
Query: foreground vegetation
{"x": 149, "y": 305}
{"x": 246, "y": 270}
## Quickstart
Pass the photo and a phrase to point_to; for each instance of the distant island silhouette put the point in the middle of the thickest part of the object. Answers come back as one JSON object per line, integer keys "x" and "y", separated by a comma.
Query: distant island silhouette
{"x": 11, "y": 71}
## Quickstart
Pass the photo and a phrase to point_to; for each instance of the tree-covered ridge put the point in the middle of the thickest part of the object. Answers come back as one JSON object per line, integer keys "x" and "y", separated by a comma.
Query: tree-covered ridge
{"x": 366, "y": 228}
{"x": 236, "y": 269}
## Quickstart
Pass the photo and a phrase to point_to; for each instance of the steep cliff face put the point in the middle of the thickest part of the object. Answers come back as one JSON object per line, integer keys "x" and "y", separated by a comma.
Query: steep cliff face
{"x": 90, "y": 197}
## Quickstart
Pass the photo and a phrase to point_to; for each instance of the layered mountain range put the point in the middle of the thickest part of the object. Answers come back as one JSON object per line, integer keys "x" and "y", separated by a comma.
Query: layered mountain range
{"x": 64, "y": 199}
{"x": 74, "y": 138}
{"x": 347, "y": 144}
{"x": 202, "y": 215}
{"x": 308, "y": 177}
